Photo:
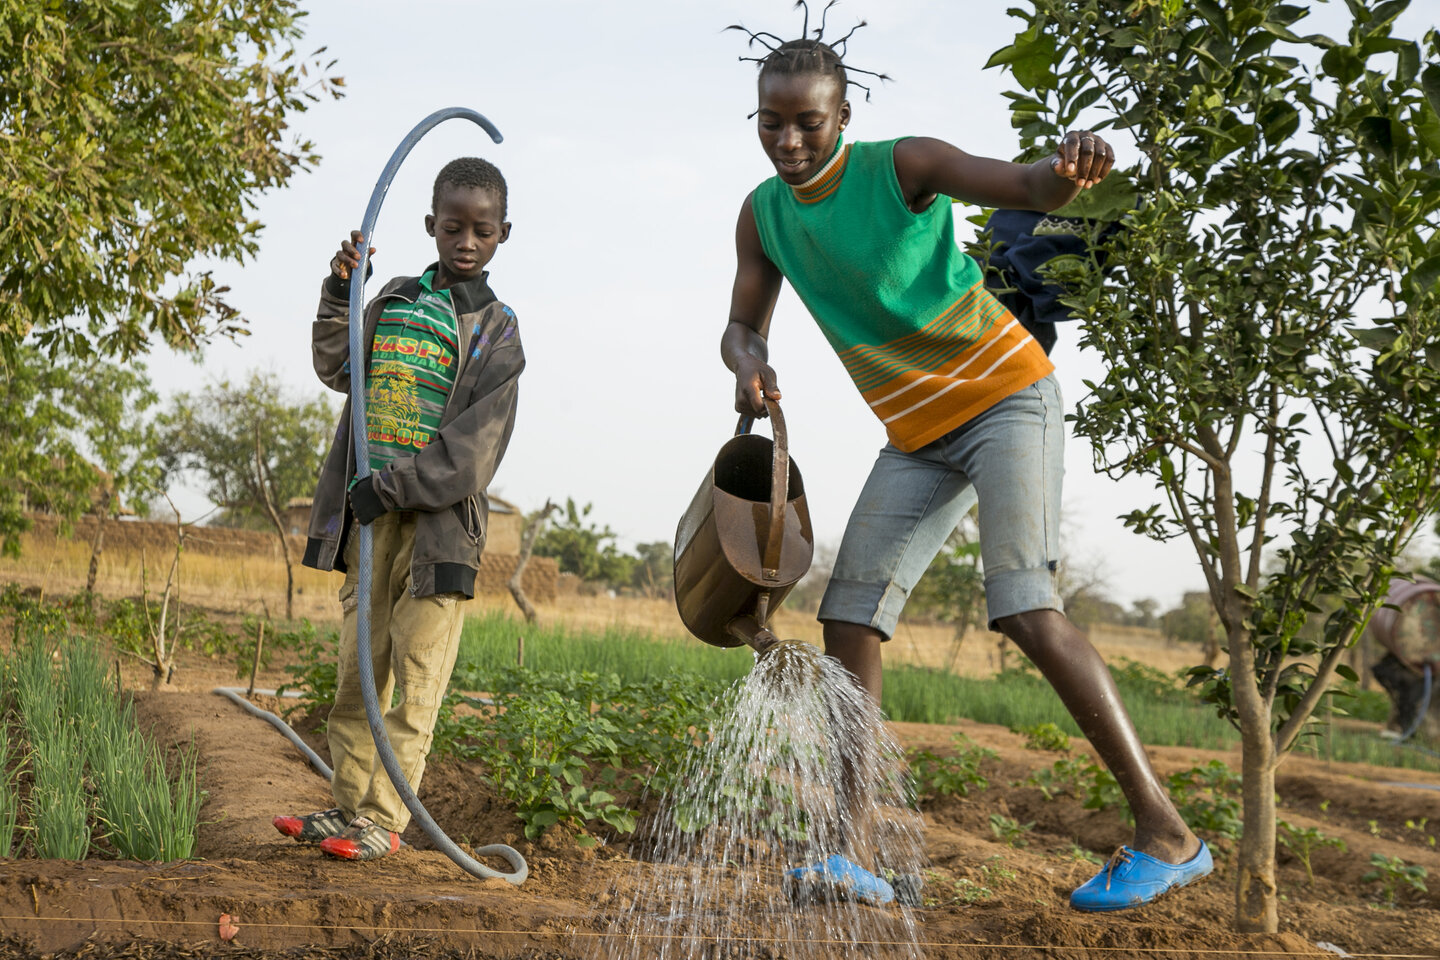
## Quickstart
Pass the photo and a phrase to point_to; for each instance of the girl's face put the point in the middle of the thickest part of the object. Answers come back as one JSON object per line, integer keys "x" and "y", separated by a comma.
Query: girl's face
{"x": 800, "y": 119}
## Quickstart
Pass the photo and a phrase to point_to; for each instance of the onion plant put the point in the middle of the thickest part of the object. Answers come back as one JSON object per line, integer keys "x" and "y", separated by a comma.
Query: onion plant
{"x": 11, "y": 763}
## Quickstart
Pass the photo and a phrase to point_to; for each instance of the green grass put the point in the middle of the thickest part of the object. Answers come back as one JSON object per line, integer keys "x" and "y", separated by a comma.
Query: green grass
{"x": 490, "y": 642}
{"x": 1165, "y": 714}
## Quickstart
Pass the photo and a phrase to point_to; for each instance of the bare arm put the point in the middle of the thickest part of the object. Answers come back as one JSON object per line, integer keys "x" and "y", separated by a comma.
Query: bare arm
{"x": 927, "y": 168}
{"x": 752, "y": 303}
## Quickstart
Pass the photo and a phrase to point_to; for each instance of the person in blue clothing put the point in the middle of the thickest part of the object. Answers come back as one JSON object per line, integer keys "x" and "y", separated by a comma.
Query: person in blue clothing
{"x": 864, "y": 234}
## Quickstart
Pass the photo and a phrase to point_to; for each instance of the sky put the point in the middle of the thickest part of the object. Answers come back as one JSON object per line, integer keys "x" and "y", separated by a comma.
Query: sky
{"x": 628, "y": 153}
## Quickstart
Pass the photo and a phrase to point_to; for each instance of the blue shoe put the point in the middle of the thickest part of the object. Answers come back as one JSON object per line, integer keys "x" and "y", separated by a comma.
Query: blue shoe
{"x": 1132, "y": 878}
{"x": 835, "y": 878}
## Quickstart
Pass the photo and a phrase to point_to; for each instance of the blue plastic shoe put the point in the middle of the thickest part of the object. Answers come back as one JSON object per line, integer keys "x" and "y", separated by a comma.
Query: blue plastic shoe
{"x": 1132, "y": 878}
{"x": 836, "y": 878}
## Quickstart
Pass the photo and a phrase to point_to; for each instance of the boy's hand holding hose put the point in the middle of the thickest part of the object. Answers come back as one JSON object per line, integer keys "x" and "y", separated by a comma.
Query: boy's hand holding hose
{"x": 347, "y": 258}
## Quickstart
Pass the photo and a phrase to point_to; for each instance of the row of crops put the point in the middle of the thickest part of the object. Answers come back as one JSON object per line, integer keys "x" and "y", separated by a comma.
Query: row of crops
{"x": 78, "y": 776}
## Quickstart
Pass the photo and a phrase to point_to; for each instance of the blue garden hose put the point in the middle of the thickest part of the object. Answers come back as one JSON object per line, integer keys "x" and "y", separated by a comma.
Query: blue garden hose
{"x": 366, "y": 558}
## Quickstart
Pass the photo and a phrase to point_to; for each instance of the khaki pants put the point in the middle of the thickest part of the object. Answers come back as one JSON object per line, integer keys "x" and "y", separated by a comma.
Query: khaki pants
{"x": 413, "y": 643}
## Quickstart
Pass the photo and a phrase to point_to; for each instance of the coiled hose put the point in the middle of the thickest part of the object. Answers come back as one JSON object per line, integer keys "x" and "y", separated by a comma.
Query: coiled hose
{"x": 366, "y": 556}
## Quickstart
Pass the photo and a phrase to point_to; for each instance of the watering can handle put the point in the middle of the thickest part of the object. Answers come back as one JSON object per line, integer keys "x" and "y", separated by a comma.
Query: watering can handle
{"x": 779, "y": 487}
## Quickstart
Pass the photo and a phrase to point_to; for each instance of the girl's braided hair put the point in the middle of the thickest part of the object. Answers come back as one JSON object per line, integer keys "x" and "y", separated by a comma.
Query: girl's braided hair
{"x": 807, "y": 54}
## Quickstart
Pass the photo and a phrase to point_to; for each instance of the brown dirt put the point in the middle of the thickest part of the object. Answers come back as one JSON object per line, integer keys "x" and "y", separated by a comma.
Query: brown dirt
{"x": 289, "y": 901}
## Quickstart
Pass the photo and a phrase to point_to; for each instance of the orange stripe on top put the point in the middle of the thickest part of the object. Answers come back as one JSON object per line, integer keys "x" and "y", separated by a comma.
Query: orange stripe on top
{"x": 919, "y": 404}
{"x": 828, "y": 181}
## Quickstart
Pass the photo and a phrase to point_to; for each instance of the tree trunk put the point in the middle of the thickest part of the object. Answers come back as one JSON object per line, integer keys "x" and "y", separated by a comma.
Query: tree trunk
{"x": 262, "y": 475}
{"x": 533, "y": 526}
{"x": 1256, "y": 908}
{"x": 96, "y": 546}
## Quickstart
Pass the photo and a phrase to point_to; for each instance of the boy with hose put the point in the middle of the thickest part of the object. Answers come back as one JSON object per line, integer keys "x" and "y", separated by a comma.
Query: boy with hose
{"x": 442, "y": 369}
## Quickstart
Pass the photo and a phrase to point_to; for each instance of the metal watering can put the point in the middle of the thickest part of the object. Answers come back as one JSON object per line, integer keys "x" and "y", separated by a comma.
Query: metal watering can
{"x": 744, "y": 541}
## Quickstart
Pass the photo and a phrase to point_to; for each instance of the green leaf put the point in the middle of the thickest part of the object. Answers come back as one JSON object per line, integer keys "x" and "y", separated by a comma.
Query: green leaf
{"x": 1275, "y": 30}
{"x": 1407, "y": 63}
{"x": 1426, "y": 276}
{"x": 1214, "y": 14}
{"x": 1430, "y": 83}
{"x": 1375, "y": 135}
{"x": 1342, "y": 63}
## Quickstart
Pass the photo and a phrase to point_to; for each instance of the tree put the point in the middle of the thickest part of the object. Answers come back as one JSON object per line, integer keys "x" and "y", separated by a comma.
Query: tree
{"x": 534, "y": 523}
{"x": 254, "y": 449}
{"x": 1285, "y": 183}
{"x": 53, "y": 409}
{"x": 584, "y": 549}
{"x": 953, "y": 586}
{"x": 121, "y": 441}
{"x": 1194, "y": 622}
{"x": 654, "y": 573}
{"x": 133, "y": 139}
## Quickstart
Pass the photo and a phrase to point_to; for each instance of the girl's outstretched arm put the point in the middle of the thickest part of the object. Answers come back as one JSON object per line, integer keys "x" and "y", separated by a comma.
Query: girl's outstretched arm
{"x": 928, "y": 168}
{"x": 752, "y": 302}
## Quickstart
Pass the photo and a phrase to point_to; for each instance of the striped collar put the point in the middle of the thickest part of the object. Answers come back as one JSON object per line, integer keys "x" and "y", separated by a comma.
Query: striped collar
{"x": 825, "y": 182}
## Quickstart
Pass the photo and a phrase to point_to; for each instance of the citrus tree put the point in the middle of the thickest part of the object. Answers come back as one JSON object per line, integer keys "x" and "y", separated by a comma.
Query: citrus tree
{"x": 134, "y": 137}
{"x": 1269, "y": 319}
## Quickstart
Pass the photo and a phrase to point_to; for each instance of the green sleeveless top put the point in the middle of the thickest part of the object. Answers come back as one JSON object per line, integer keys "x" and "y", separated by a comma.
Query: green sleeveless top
{"x": 907, "y": 311}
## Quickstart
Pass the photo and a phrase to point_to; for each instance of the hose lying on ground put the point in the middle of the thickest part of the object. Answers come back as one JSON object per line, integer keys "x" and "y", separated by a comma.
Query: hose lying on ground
{"x": 236, "y": 695}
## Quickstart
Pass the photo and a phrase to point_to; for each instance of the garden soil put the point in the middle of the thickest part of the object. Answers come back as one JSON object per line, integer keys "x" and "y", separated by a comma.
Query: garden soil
{"x": 984, "y": 899}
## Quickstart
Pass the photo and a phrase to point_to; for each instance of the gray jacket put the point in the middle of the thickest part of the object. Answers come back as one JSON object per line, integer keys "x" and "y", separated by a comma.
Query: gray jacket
{"x": 445, "y": 482}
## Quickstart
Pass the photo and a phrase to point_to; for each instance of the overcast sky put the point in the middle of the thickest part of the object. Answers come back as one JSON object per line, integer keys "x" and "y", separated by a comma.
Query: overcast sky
{"x": 628, "y": 152}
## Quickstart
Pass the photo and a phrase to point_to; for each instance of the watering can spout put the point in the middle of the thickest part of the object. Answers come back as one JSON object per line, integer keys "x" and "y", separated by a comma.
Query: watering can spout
{"x": 749, "y": 631}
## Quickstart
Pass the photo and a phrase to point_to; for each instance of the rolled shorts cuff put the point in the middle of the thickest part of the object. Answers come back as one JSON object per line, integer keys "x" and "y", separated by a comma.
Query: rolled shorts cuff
{"x": 1020, "y": 591}
{"x": 875, "y": 605}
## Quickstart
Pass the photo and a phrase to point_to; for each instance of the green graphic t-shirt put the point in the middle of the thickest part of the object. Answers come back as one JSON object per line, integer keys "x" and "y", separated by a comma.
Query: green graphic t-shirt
{"x": 412, "y": 369}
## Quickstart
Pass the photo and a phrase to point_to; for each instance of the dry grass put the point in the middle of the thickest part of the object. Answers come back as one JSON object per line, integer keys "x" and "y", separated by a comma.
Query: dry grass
{"x": 246, "y": 582}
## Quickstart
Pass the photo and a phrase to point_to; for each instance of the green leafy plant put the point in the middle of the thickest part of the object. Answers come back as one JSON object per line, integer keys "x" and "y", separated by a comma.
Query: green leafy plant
{"x": 577, "y": 747}
{"x": 1064, "y": 778}
{"x": 540, "y": 749}
{"x": 1419, "y": 827}
{"x": 1208, "y": 799}
{"x": 314, "y": 669}
{"x": 1303, "y": 842}
{"x": 1103, "y": 792}
{"x": 954, "y": 890}
{"x": 953, "y": 775}
{"x": 1010, "y": 831}
{"x": 1392, "y": 873}
{"x": 1045, "y": 736}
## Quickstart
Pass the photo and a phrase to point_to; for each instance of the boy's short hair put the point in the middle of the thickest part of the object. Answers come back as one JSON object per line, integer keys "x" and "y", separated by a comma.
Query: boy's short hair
{"x": 470, "y": 172}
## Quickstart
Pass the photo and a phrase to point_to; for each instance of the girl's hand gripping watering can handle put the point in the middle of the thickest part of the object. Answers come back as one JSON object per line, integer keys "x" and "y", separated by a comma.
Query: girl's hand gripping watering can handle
{"x": 779, "y": 487}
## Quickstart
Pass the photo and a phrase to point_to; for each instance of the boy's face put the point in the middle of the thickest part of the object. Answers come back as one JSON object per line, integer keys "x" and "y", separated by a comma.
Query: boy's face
{"x": 467, "y": 226}
{"x": 800, "y": 119}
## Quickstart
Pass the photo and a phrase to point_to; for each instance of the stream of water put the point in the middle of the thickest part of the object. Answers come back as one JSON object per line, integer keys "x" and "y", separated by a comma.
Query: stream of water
{"x": 798, "y": 767}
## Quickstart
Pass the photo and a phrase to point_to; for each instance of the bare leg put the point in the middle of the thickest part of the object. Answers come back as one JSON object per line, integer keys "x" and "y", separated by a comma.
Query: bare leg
{"x": 857, "y": 647}
{"x": 1074, "y": 668}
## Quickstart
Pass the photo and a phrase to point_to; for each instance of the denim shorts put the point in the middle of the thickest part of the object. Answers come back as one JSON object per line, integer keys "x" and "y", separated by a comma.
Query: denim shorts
{"x": 1010, "y": 458}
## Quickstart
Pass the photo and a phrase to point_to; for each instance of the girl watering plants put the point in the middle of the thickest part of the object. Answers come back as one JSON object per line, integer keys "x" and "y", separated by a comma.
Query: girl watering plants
{"x": 864, "y": 234}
